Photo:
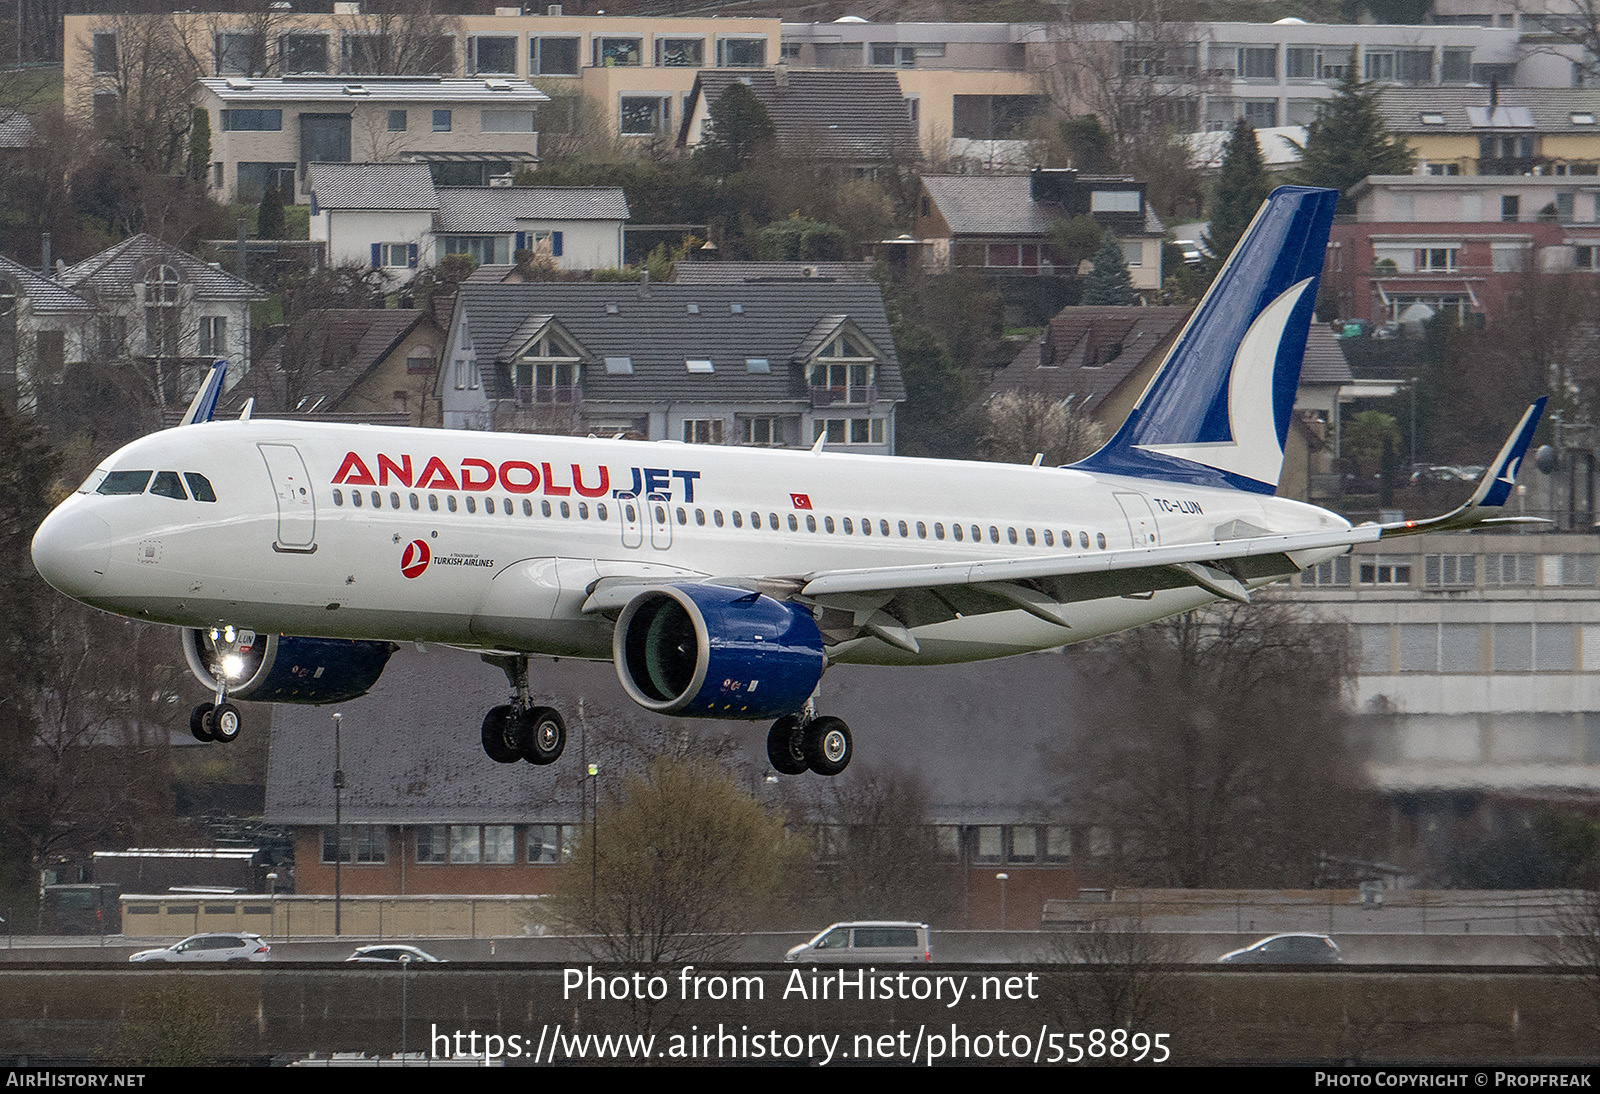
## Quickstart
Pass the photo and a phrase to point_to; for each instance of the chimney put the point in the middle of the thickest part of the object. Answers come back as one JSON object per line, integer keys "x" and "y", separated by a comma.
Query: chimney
{"x": 238, "y": 255}
{"x": 644, "y": 282}
{"x": 44, "y": 253}
{"x": 1494, "y": 96}
{"x": 780, "y": 76}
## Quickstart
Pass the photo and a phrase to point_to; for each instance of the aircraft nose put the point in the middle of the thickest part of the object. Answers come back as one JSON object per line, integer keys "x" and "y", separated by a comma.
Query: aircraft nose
{"x": 72, "y": 550}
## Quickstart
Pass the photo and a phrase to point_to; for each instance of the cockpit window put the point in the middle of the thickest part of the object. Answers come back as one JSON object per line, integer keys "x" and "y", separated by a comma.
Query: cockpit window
{"x": 124, "y": 482}
{"x": 92, "y": 483}
{"x": 199, "y": 486}
{"x": 168, "y": 486}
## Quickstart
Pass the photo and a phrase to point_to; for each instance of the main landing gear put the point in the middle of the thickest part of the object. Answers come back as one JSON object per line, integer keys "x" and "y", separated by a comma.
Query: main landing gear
{"x": 803, "y": 742}
{"x": 517, "y": 730}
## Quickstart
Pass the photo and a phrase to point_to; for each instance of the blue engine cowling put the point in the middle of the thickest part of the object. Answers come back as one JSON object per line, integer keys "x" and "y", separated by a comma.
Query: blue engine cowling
{"x": 272, "y": 668}
{"x": 708, "y": 651}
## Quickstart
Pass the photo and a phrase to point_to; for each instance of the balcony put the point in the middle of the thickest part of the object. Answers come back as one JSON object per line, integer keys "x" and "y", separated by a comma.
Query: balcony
{"x": 549, "y": 395}
{"x": 843, "y": 396}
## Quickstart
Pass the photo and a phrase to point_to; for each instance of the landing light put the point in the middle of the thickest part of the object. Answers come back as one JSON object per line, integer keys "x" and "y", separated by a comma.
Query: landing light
{"x": 232, "y": 666}
{"x": 229, "y": 634}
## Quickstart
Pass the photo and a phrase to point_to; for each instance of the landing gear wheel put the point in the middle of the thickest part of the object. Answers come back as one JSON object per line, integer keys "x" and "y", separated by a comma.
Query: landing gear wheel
{"x": 544, "y": 736}
{"x": 827, "y": 745}
{"x": 200, "y": 723}
{"x": 225, "y": 723}
{"x": 502, "y": 735}
{"x": 786, "y": 746}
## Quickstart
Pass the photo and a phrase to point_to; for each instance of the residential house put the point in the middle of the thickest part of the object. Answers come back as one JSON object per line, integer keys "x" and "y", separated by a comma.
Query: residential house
{"x": 44, "y": 327}
{"x": 851, "y": 119}
{"x": 1497, "y": 130}
{"x": 762, "y": 363}
{"x": 372, "y": 365}
{"x": 267, "y": 131}
{"x": 1101, "y": 359}
{"x": 1424, "y": 244}
{"x": 158, "y": 303}
{"x": 1000, "y": 226}
{"x": 392, "y": 216}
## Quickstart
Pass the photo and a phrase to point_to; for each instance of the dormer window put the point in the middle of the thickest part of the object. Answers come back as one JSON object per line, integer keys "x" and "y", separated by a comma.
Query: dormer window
{"x": 161, "y": 293}
{"x": 845, "y": 373}
{"x": 547, "y": 372}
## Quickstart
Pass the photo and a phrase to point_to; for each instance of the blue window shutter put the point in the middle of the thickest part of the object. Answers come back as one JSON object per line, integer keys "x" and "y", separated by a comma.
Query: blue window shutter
{"x": 377, "y": 255}
{"x": 555, "y": 244}
{"x": 522, "y": 241}
{"x": 411, "y": 255}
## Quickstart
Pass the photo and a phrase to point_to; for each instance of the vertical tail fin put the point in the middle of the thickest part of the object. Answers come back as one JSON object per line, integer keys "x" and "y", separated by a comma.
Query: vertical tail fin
{"x": 1217, "y": 412}
{"x": 204, "y": 404}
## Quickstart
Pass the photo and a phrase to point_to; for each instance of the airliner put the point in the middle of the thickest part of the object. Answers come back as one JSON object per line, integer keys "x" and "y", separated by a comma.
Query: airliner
{"x": 722, "y": 582}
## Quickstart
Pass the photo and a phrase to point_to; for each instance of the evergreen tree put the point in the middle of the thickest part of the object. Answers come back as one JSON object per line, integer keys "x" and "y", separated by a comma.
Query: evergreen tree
{"x": 1108, "y": 282}
{"x": 270, "y": 222}
{"x": 1348, "y": 141}
{"x": 200, "y": 144}
{"x": 739, "y": 127}
{"x": 1242, "y": 186}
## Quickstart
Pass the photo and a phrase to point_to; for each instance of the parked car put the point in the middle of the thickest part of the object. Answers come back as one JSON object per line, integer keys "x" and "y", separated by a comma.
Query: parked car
{"x": 210, "y": 947}
{"x": 393, "y": 955}
{"x": 1192, "y": 254}
{"x": 871, "y": 942}
{"x": 1287, "y": 949}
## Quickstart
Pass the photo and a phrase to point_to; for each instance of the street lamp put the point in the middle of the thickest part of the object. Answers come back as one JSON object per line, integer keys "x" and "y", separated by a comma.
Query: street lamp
{"x": 594, "y": 839}
{"x": 1002, "y": 879}
{"x": 338, "y": 824}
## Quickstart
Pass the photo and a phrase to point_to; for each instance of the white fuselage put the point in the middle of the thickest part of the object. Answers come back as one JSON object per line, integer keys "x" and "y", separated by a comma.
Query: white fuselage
{"x": 494, "y": 541}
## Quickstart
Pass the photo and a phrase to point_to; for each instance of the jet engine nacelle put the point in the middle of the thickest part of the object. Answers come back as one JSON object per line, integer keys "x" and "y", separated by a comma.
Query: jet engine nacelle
{"x": 272, "y": 668}
{"x": 709, "y": 651}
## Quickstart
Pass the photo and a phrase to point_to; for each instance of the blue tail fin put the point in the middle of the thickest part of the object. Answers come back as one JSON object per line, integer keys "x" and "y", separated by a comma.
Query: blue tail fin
{"x": 1217, "y": 412}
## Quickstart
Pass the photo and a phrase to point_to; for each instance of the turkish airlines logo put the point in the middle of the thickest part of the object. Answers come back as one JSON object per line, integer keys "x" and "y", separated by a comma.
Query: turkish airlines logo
{"x": 415, "y": 559}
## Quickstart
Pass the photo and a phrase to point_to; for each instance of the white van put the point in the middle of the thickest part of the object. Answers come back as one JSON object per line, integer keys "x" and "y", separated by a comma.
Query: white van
{"x": 881, "y": 942}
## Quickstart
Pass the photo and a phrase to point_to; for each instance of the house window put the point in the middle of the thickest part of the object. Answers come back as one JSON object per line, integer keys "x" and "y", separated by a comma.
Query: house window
{"x": 1585, "y": 258}
{"x": 252, "y": 121}
{"x": 644, "y": 115}
{"x": 1509, "y": 569}
{"x": 1385, "y": 570}
{"x": 111, "y": 336}
{"x": 441, "y": 121}
{"x": 618, "y": 52}
{"x": 466, "y": 844}
{"x": 303, "y": 53}
{"x": 1261, "y": 113}
{"x": 255, "y": 178}
{"x": 1449, "y": 571}
{"x": 213, "y": 340}
{"x": 105, "y": 53}
{"x": 394, "y": 255}
{"x": 499, "y": 844}
{"x": 702, "y": 431}
{"x": 761, "y": 431}
{"x": 995, "y": 117}
{"x": 1258, "y": 62}
{"x": 433, "y": 843}
{"x": 844, "y": 385}
{"x": 988, "y": 844}
{"x": 239, "y": 53}
{"x": 681, "y": 52}
{"x": 889, "y": 55}
{"x": 484, "y": 250}
{"x": 849, "y": 431}
{"x": 1379, "y": 64}
{"x": 397, "y": 121}
{"x": 1436, "y": 258}
{"x": 508, "y": 121}
{"x": 1335, "y": 573}
{"x": 550, "y": 843}
{"x": 161, "y": 291}
{"x": 1133, "y": 255}
{"x": 545, "y": 383}
{"x": 367, "y": 844}
{"x": 741, "y": 52}
{"x": 496, "y": 55}
{"x": 1574, "y": 570}
{"x": 552, "y": 56}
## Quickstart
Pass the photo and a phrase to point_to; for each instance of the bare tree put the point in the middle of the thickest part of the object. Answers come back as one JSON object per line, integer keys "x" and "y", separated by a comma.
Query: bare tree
{"x": 1223, "y": 751}
{"x": 1576, "y": 942}
{"x": 1124, "y": 974}
{"x": 680, "y": 858}
{"x": 412, "y": 38}
{"x": 1559, "y": 25}
{"x": 1019, "y": 425}
{"x": 142, "y": 97}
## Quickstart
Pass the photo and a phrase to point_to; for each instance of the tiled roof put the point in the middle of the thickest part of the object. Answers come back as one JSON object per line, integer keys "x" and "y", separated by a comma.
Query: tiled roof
{"x": 721, "y": 273}
{"x": 44, "y": 294}
{"x": 16, "y": 131}
{"x": 263, "y": 90}
{"x": 499, "y": 208}
{"x": 1325, "y": 362}
{"x": 656, "y": 327}
{"x": 1001, "y": 205}
{"x": 117, "y": 269}
{"x": 372, "y": 186}
{"x": 337, "y": 347}
{"x": 834, "y": 115}
{"x": 1092, "y": 334}
{"x": 1466, "y": 110}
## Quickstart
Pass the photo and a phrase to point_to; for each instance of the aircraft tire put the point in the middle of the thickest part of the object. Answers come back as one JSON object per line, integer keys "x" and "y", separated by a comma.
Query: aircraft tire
{"x": 828, "y": 746}
{"x": 786, "y": 746}
{"x": 544, "y": 736}
{"x": 226, "y": 722}
{"x": 502, "y": 735}
{"x": 200, "y": 723}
